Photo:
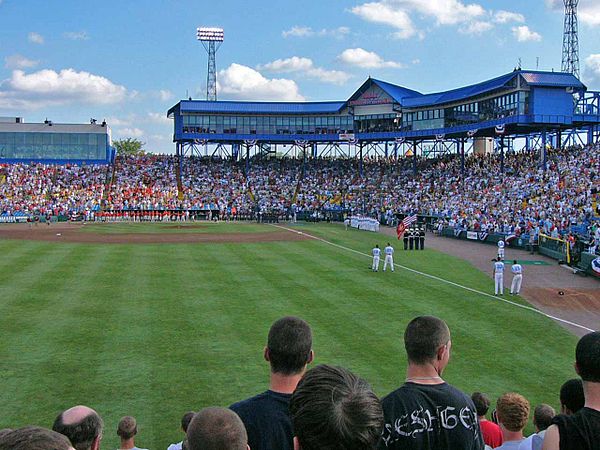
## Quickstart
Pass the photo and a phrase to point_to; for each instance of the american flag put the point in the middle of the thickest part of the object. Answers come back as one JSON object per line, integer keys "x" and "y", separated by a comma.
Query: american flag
{"x": 409, "y": 220}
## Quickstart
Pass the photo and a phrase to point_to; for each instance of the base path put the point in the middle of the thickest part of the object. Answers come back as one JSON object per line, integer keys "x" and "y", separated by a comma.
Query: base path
{"x": 75, "y": 232}
{"x": 551, "y": 288}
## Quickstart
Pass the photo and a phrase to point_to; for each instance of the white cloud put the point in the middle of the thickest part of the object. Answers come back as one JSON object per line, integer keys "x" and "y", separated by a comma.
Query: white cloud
{"x": 524, "y": 34}
{"x": 381, "y": 12}
{"x": 244, "y": 83}
{"x": 120, "y": 122}
{"x": 36, "y": 38}
{"x": 508, "y": 16}
{"x": 292, "y": 64}
{"x": 416, "y": 61}
{"x": 297, "y": 31}
{"x": 588, "y": 11}
{"x": 472, "y": 18}
{"x": 165, "y": 95}
{"x": 306, "y": 67}
{"x": 592, "y": 71}
{"x": 160, "y": 118}
{"x": 47, "y": 87}
{"x": 363, "y": 58}
{"x": 19, "y": 62}
{"x": 130, "y": 132}
{"x": 476, "y": 27}
{"x": 76, "y": 35}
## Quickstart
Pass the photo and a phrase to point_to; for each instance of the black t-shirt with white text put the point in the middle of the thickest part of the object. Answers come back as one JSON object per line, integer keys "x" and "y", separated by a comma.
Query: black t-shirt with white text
{"x": 430, "y": 417}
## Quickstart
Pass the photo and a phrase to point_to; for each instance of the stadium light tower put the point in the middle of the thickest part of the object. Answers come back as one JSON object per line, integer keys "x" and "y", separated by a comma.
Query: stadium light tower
{"x": 570, "y": 53}
{"x": 211, "y": 39}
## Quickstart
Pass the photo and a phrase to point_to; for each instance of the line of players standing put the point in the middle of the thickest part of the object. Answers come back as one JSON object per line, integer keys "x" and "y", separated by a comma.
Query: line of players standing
{"x": 414, "y": 238}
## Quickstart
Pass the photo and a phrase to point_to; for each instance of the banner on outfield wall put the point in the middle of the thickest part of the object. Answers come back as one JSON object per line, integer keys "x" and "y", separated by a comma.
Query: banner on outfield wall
{"x": 13, "y": 219}
{"x": 477, "y": 235}
{"x": 596, "y": 266}
{"x": 364, "y": 223}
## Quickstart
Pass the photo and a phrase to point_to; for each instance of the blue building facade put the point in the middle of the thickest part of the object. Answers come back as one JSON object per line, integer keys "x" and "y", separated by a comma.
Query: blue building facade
{"x": 520, "y": 103}
{"x": 54, "y": 143}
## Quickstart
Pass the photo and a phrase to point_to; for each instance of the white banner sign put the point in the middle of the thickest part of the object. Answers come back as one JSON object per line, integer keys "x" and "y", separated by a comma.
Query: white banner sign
{"x": 472, "y": 235}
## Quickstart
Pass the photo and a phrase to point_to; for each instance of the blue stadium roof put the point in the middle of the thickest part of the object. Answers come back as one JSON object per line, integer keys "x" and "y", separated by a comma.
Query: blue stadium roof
{"x": 398, "y": 93}
{"x": 550, "y": 79}
{"x": 230, "y": 107}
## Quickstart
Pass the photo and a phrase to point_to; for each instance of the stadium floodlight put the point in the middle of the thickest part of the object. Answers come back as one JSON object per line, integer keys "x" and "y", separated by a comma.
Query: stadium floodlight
{"x": 210, "y": 34}
{"x": 211, "y": 39}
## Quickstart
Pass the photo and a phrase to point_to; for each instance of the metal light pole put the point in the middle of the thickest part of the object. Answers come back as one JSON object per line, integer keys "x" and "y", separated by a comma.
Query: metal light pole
{"x": 211, "y": 39}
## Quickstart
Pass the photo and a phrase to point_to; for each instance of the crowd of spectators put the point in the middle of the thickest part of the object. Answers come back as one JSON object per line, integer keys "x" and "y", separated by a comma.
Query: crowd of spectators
{"x": 330, "y": 408}
{"x": 479, "y": 197}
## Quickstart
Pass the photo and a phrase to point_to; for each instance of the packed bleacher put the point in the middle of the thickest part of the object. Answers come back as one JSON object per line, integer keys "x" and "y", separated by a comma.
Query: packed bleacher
{"x": 330, "y": 408}
{"x": 556, "y": 200}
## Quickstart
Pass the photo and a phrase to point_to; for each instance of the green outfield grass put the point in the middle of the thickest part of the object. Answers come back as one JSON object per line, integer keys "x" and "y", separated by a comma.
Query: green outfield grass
{"x": 176, "y": 227}
{"x": 155, "y": 330}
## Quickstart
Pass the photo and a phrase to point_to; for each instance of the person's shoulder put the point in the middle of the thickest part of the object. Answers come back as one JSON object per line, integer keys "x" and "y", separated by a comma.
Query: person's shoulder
{"x": 259, "y": 399}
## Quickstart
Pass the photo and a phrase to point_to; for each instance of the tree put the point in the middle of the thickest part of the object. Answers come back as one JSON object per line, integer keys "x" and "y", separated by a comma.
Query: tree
{"x": 129, "y": 146}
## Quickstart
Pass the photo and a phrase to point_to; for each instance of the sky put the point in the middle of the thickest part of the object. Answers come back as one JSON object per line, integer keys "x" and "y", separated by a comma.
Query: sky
{"x": 129, "y": 61}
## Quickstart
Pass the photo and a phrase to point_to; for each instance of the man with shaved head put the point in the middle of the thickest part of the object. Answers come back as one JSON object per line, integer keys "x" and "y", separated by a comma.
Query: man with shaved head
{"x": 217, "y": 429}
{"x": 82, "y": 425}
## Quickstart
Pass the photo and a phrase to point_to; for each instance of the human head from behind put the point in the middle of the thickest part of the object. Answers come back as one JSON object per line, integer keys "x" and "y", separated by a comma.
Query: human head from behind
{"x": 542, "y": 416}
{"x": 216, "y": 429}
{"x": 571, "y": 396}
{"x": 289, "y": 346}
{"x": 334, "y": 409}
{"x": 34, "y": 438}
{"x": 513, "y": 413}
{"x": 186, "y": 419}
{"x": 587, "y": 358}
{"x": 481, "y": 402}
{"x": 427, "y": 343}
{"x": 82, "y": 425}
{"x": 126, "y": 430}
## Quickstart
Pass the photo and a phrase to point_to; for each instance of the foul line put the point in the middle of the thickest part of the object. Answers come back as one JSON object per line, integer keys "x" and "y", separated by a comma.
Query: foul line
{"x": 485, "y": 294}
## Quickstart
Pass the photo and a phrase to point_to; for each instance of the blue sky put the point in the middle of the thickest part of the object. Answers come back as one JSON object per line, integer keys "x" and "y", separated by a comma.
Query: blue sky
{"x": 128, "y": 61}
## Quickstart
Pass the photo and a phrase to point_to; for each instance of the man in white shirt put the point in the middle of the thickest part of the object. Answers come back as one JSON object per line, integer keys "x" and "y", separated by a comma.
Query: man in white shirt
{"x": 501, "y": 249}
{"x": 517, "y": 271}
{"x": 499, "y": 277}
{"x": 376, "y": 253}
{"x": 389, "y": 257}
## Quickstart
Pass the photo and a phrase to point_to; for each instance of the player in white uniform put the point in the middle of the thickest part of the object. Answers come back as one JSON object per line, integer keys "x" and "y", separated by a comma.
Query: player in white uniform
{"x": 389, "y": 257}
{"x": 376, "y": 253}
{"x": 517, "y": 271}
{"x": 501, "y": 249}
{"x": 499, "y": 277}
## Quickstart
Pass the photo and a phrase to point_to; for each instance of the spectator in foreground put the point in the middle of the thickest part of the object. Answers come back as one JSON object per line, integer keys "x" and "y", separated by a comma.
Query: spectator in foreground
{"x": 185, "y": 422}
{"x": 82, "y": 425}
{"x": 492, "y": 435}
{"x": 542, "y": 419}
{"x": 581, "y": 430}
{"x": 513, "y": 413}
{"x": 216, "y": 429}
{"x": 334, "y": 409}
{"x": 571, "y": 396}
{"x": 34, "y": 438}
{"x": 126, "y": 430}
{"x": 266, "y": 416}
{"x": 421, "y": 414}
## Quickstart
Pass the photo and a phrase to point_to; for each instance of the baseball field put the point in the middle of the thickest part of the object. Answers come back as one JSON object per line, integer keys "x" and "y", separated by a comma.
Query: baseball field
{"x": 153, "y": 320}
